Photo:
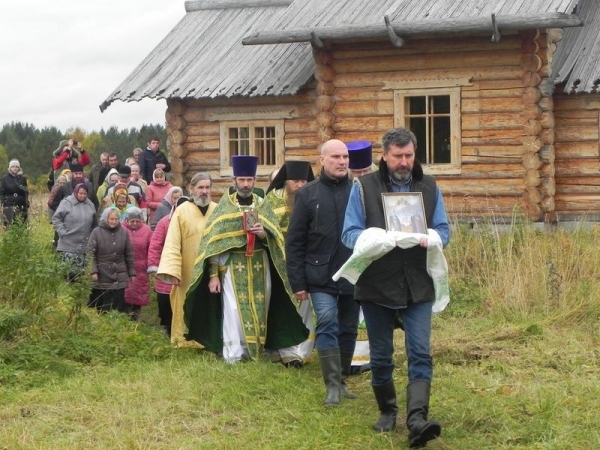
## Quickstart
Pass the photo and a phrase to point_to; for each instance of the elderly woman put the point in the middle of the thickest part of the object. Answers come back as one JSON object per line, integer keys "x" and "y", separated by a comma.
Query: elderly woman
{"x": 74, "y": 220}
{"x": 14, "y": 194}
{"x": 155, "y": 193}
{"x": 166, "y": 205}
{"x": 137, "y": 293}
{"x": 112, "y": 263}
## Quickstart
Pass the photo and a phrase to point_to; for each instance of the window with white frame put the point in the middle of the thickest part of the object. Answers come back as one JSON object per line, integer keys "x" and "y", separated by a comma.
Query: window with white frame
{"x": 433, "y": 115}
{"x": 261, "y": 138}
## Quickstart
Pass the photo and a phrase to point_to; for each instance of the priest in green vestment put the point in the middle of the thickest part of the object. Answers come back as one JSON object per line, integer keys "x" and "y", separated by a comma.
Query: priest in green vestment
{"x": 240, "y": 301}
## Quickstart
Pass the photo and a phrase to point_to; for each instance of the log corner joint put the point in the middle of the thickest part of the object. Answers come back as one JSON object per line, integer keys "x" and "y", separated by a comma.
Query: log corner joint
{"x": 495, "y": 30}
{"x": 316, "y": 41}
{"x": 397, "y": 41}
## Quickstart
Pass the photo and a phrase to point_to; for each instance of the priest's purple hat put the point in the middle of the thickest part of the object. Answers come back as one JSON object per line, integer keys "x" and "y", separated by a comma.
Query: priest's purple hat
{"x": 360, "y": 154}
{"x": 244, "y": 165}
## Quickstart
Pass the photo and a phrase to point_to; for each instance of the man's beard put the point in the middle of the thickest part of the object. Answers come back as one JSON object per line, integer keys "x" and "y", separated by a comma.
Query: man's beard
{"x": 403, "y": 176}
{"x": 290, "y": 198}
{"x": 201, "y": 201}
{"x": 242, "y": 194}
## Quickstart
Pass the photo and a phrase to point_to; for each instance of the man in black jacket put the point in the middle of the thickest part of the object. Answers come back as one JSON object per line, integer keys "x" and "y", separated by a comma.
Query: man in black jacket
{"x": 151, "y": 159}
{"x": 314, "y": 253}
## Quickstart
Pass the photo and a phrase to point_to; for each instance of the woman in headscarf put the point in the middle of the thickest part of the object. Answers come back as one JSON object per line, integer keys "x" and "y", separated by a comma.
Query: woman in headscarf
{"x": 137, "y": 294}
{"x": 14, "y": 194}
{"x": 156, "y": 192}
{"x": 74, "y": 220}
{"x": 112, "y": 263}
{"x": 166, "y": 204}
{"x": 121, "y": 201}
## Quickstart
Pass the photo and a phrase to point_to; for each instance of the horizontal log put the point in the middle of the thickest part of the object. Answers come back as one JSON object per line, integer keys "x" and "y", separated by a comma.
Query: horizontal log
{"x": 203, "y": 145}
{"x": 586, "y": 186}
{"x": 577, "y": 102}
{"x": 531, "y": 144}
{"x": 577, "y": 150}
{"x": 357, "y": 109}
{"x": 470, "y": 25}
{"x": 577, "y": 168}
{"x": 471, "y": 205}
{"x": 493, "y": 187}
{"x": 566, "y": 122}
{"x": 509, "y": 136}
{"x": 177, "y": 137}
{"x": 492, "y": 154}
{"x": 308, "y": 126}
{"x": 478, "y": 74}
{"x": 531, "y": 79}
{"x": 325, "y": 88}
{"x": 531, "y": 112}
{"x": 474, "y": 92}
{"x": 345, "y": 124}
{"x": 176, "y": 122}
{"x": 203, "y": 129}
{"x": 449, "y": 60}
{"x": 497, "y": 121}
{"x": 359, "y": 50}
{"x": 529, "y": 46}
{"x": 492, "y": 105}
{"x": 498, "y": 85}
{"x": 305, "y": 141}
{"x": 324, "y": 73}
{"x": 585, "y": 204}
{"x": 576, "y": 134}
{"x": 574, "y": 114}
{"x": 363, "y": 94}
{"x": 480, "y": 173}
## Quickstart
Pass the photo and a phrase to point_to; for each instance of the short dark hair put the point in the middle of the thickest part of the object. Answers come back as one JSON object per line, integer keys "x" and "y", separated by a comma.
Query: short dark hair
{"x": 400, "y": 137}
{"x": 154, "y": 138}
{"x": 113, "y": 154}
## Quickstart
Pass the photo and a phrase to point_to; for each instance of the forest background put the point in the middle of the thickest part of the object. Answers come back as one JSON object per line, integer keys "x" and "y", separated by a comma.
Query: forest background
{"x": 33, "y": 147}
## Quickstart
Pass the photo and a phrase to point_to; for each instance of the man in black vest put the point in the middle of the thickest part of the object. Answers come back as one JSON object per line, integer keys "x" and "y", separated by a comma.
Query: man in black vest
{"x": 397, "y": 286}
{"x": 315, "y": 252}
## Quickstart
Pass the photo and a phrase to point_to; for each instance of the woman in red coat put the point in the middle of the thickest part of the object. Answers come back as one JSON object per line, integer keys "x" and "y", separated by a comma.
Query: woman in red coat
{"x": 138, "y": 292}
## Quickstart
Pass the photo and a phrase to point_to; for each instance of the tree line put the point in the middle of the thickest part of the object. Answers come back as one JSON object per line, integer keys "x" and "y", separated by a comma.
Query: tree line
{"x": 33, "y": 147}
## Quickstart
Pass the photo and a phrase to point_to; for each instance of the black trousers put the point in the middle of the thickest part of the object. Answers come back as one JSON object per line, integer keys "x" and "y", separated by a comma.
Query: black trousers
{"x": 105, "y": 300}
{"x": 165, "y": 314}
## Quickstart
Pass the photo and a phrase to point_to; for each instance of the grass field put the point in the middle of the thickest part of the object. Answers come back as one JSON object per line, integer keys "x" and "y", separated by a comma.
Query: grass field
{"x": 517, "y": 366}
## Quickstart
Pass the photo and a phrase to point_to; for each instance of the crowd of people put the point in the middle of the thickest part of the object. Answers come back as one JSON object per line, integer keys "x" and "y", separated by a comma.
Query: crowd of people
{"x": 256, "y": 275}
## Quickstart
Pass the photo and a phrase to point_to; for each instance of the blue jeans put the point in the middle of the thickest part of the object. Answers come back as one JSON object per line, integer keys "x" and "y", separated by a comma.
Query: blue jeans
{"x": 417, "y": 332}
{"x": 337, "y": 321}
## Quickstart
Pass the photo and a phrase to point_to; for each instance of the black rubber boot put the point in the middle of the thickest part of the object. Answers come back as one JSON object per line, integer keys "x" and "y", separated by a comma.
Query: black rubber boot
{"x": 346, "y": 361}
{"x": 385, "y": 394}
{"x": 420, "y": 430}
{"x": 332, "y": 374}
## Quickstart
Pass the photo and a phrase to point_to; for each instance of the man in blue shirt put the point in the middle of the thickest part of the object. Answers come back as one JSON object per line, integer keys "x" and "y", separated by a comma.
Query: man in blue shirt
{"x": 397, "y": 286}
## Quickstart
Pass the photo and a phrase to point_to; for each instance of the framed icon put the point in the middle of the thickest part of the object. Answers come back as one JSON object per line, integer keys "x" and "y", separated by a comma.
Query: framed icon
{"x": 404, "y": 211}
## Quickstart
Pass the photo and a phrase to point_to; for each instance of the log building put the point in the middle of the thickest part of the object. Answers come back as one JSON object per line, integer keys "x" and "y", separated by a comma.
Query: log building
{"x": 503, "y": 95}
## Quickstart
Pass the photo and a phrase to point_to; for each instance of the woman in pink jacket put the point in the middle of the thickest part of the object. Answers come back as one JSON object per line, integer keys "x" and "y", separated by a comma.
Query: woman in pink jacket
{"x": 137, "y": 294}
{"x": 156, "y": 192}
{"x": 162, "y": 289}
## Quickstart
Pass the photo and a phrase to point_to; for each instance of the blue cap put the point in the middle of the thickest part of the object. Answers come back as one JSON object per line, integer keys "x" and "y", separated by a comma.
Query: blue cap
{"x": 360, "y": 154}
{"x": 244, "y": 165}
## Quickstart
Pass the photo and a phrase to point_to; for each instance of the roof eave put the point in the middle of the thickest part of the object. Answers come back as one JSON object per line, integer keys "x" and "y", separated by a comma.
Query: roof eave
{"x": 471, "y": 25}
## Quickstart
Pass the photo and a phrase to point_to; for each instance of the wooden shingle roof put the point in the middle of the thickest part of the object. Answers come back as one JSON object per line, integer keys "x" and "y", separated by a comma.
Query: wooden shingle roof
{"x": 203, "y": 56}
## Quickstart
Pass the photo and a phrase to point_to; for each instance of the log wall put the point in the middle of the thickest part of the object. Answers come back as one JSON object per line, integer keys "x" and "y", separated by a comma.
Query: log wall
{"x": 577, "y": 161}
{"x": 193, "y": 133}
{"x": 507, "y": 127}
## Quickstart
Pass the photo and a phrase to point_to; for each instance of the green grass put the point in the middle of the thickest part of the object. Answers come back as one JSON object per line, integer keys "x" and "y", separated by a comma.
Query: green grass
{"x": 516, "y": 356}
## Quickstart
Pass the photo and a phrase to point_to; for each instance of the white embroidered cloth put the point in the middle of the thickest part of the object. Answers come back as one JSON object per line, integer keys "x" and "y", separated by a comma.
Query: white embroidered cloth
{"x": 373, "y": 243}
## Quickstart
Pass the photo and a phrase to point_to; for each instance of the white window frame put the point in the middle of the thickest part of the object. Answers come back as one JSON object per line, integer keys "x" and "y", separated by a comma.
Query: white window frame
{"x": 400, "y": 120}
{"x": 262, "y": 170}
